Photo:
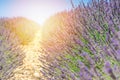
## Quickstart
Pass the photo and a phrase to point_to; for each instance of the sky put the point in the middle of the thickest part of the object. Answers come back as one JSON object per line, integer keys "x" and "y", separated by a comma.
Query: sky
{"x": 36, "y": 10}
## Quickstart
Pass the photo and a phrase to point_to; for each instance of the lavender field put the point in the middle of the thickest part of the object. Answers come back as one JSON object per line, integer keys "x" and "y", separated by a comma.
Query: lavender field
{"x": 80, "y": 44}
{"x": 88, "y": 41}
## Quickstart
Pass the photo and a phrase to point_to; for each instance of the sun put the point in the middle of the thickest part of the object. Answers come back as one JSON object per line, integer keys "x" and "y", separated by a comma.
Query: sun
{"x": 38, "y": 11}
{"x": 37, "y": 14}
{"x": 38, "y": 20}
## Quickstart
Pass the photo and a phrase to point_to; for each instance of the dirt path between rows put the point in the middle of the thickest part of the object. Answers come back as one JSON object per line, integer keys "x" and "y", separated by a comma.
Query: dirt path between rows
{"x": 30, "y": 69}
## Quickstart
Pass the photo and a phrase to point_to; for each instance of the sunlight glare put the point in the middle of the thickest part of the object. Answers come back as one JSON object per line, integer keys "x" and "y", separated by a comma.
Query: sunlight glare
{"x": 38, "y": 10}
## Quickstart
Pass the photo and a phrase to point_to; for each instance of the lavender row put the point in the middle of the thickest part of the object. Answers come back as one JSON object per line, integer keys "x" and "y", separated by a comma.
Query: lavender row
{"x": 85, "y": 43}
{"x": 11, "y": 54}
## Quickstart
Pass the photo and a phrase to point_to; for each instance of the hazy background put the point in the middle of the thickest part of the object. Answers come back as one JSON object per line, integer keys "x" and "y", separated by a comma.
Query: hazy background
{"x": 37, "y": 10}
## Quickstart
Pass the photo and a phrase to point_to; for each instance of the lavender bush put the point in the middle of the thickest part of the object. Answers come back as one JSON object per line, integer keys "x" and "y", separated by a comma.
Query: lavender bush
{"x": 90, "y": 43}
{"x": 11, "y": 53}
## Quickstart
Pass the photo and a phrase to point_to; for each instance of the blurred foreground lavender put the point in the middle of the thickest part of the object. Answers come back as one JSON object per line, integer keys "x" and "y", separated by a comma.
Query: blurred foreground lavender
{"x": 85, "y": 43}
{"x": 11, "y": 53}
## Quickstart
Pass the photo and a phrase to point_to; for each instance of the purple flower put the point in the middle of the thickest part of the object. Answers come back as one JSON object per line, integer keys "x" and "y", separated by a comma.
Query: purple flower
{"x": 84, "y": 54}
{"x": 109, "y": 69}
{"x": 119, "y": 27}
{"x": 107, "y": 50}
{"x": 118, "y": 54}
{"x": 81, "y": 64}
{"x": 78, "y": 41}
{"x": 80, "y": 74}
{"x": 115, "y": 42}
{"x": 107, "y": 66}
{"x": 118, "y": 34}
